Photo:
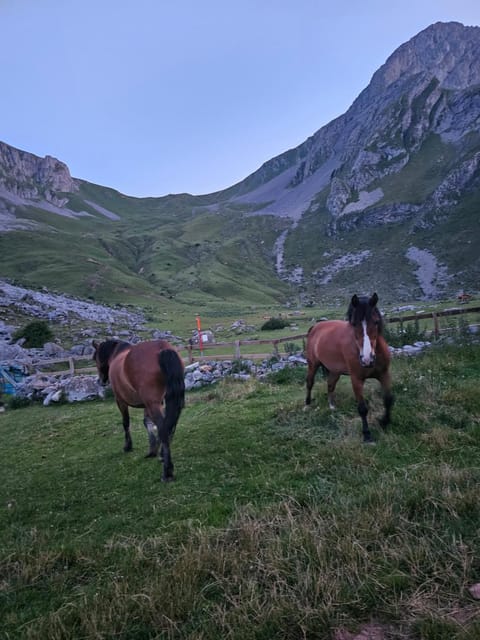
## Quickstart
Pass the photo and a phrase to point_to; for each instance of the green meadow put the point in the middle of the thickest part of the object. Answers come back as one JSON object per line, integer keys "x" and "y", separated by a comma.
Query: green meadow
{"x": 280, "y": 524}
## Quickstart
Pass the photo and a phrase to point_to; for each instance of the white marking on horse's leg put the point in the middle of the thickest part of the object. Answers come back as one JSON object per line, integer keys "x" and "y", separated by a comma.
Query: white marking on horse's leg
{"x": 151, "y": 427}
{"x": 331, "y": 401}
{"x": 367, "y": 347}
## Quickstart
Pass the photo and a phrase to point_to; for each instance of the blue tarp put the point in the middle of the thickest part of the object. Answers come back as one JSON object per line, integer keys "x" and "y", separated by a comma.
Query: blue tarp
{"x": 10, "y": 377}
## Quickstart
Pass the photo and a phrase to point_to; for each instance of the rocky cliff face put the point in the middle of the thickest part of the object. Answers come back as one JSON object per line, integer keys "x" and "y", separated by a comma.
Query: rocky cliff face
{"x": 429, "y": 87}
{"x": 29, "y": 177}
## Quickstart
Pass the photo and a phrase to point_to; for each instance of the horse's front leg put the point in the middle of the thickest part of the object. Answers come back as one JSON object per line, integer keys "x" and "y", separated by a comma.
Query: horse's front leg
{"x": 153, "y": 441}
{"x": 362, "y": 406}
{"x": 388, "y": 398}
{"x": 126, "y": 426}
{"x": 331, "y": 384}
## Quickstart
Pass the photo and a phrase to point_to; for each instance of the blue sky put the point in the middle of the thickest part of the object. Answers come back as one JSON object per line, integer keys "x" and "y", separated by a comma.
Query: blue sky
{"x": 153, "y": 96}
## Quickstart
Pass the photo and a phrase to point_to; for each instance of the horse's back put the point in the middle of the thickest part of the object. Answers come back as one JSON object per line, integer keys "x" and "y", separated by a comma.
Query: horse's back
{"x": 136, "y": 374}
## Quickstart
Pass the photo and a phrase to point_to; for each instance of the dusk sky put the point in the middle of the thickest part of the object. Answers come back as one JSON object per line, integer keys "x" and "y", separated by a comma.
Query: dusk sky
{"x": 152, "y": 97}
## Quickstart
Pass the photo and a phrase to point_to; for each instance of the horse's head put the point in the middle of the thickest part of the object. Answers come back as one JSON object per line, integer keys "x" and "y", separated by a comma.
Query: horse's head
{"x": 366, "y": 321}
{"x": 101, "y": 356}
{"x": 104, "y": 351}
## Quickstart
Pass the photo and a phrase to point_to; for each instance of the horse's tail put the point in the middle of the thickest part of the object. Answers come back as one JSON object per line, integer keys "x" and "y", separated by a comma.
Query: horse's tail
{"x": 172, "y": 366}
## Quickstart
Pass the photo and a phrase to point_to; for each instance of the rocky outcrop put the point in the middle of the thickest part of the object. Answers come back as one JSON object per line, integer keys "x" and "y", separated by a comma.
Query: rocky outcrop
{"x": 57, "y": 308}
{"x": 45, "y": 183}
{"x": 29, "y": 177}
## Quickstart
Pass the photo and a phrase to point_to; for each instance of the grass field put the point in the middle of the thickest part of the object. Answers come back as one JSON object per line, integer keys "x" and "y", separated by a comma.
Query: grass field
{"x": 281, "y": 523}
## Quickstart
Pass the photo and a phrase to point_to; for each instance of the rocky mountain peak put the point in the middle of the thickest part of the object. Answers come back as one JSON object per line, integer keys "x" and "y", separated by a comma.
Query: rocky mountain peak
{"x": 427, "y": 87}
{"x": 449, "y": 50}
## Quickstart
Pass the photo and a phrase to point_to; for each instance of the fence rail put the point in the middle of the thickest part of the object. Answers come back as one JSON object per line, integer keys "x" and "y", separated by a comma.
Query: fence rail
{"x": 301, "y": 336}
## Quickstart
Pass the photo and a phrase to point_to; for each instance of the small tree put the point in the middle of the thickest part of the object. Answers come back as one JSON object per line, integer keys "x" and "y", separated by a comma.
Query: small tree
{"x": 36, "y": 334}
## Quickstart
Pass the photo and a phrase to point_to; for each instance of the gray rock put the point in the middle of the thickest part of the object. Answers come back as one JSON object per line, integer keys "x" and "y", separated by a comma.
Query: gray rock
{"x": 79, "y": 388}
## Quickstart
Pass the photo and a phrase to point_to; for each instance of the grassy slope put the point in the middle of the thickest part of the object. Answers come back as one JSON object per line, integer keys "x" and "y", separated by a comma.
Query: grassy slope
{"x": 281, "y": 523}
{"x": 163, "y": 249}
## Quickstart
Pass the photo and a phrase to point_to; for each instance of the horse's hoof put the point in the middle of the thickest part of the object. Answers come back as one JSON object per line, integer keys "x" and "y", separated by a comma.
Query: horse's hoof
{"x": 127, "y": 449}
{"x": 151, "y": 454}
{"x": 168, "y": 479}
{"x": 370, "y": 442}
{"x": 307, "y": 407}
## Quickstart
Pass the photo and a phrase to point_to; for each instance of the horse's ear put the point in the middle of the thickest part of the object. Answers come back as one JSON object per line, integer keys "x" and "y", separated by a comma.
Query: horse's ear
{"x": 373, "y": 300}
{"x": 95, "y": 344}
{"x": 355, "y": 300}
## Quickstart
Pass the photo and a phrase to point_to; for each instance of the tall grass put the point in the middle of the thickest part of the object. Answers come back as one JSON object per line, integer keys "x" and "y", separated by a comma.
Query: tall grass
{"x": 281, "y": 523}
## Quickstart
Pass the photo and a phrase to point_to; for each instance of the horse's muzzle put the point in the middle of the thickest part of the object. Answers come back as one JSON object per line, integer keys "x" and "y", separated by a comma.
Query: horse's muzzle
{"x": 367, "y": 363}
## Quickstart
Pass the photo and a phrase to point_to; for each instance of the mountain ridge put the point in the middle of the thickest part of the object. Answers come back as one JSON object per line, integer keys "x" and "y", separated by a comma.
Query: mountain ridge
{"x": 405, "y": 158}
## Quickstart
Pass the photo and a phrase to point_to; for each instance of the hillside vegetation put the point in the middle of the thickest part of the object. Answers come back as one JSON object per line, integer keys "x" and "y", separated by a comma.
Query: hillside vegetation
{"x": 159, "y": 255}
{"x": 281, "y": 523}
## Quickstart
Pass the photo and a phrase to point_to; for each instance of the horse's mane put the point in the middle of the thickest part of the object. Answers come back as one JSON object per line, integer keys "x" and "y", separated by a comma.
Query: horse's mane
{"x": 109, "y": 347}
{"x": 364, "y": 308}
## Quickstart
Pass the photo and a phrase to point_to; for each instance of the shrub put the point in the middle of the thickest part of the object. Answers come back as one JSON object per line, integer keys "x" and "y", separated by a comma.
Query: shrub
{"x": 291, "y": 348}
{"x": 404, "y": 334}
{"x": 274, "y": 323}
{"x": 36, "y": 334}
{"x": 18, "y": 402}
{"x": 241, "y": 366}
{"x": 288, "y": 375}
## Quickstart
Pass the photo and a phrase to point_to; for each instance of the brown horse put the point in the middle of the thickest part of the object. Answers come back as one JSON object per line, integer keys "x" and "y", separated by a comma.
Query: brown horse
{"x": 150, "y": 376}
{"x": 353, "y": 347}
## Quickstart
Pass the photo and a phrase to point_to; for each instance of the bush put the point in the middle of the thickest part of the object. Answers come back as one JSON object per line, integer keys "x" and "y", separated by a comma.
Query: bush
{"x": 288, "y": 375}
{"x": 18, "y": 402}
{"x": 241, "y": 366}
{"x": 291, "y": 348}
{"x": 404, "y": 334}
{"x": 274, "y": 323}
{"x": 36, "y": 334}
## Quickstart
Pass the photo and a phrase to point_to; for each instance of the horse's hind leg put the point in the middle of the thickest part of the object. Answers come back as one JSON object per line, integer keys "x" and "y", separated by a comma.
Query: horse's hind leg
{"x": 312, "y": 370}
{"x": 126, "y": 426}
{"x": 164, "y": 441}
{"x": 153, "y": 441}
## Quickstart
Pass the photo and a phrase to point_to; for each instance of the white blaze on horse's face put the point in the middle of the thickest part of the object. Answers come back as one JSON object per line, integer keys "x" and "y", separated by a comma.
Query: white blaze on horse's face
{"x": 367, "y": 354}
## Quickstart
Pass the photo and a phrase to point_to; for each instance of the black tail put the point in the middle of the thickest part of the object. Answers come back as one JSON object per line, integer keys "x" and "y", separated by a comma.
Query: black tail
{"x": 172, "y": 366}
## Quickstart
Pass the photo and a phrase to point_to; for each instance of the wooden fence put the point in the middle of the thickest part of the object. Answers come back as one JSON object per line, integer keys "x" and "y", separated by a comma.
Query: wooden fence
{"x": 194, "y": 352}
{"x": 191, "y": 353}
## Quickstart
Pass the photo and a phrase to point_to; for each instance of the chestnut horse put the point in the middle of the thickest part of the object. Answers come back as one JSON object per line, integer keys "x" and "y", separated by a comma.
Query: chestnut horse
{"x": 150, "y": 376}
{"x": 353, "y": 347}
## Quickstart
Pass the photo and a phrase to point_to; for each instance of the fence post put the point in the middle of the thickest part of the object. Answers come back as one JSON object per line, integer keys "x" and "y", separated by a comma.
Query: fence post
{"x": 436, "y": 327}
{"x": 237, "y": 349}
